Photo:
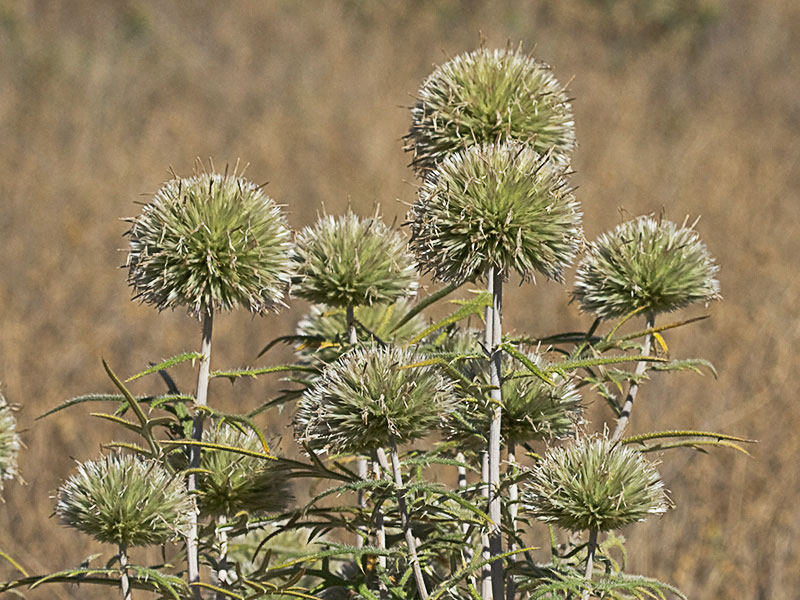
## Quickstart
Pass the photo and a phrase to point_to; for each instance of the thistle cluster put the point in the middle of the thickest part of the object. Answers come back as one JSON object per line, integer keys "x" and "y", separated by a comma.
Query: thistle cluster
{"x": 125, "y": 500}
{"x": 368, "y": 395}
{"x": 647, "y": 264}
{"x": 487, "y": 96}
{"x": 208, "y": 242}
{"x": 496, "y": 205}
{"x": 594, "y": 484}
{"x": 10, "y": 443}
{"x": 350, "y": 261}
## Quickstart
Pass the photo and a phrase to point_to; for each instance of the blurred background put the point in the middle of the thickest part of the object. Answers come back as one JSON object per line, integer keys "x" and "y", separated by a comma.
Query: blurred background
{"x": 683, "y": 107}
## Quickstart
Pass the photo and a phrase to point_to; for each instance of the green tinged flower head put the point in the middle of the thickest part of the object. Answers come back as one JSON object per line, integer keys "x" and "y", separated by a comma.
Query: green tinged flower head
{"x": 207, "y": 242}
{"x": 594, "y": 484}
{"x": 125, "y": 500}
{"x": 500, "y": 205}
{"x": 488, "y": 96}
{"x": 645, "y": 264}
{"x": 10, "y": 443}
{"x": 350, "y": 261}
{"x": 368, "y": 395}
{"x": 376, "y": 323}
{"x": 231, "y": 482}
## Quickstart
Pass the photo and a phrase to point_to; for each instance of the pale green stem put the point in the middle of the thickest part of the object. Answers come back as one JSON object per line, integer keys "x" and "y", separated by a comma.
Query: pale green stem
{"x": 125, "y": 582}
{"x": 201, "y": 400}
{"x": 633, "y": 390}
{"x": 495, "y": 512}
{"x": 592, "y": 547}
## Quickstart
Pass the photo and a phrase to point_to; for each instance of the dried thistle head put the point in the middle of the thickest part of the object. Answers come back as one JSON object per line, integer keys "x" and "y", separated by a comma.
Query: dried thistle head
{"x": 647, "y": 264}
{"x": 125, "y": 500}
{"x": 230, "y": 482}
{"x": 594, "y": 483}
{"x": 500, "y": 205}
{"x": 350, "y": 261}
{"x": 210, "y": 241}
{"x": 10, "y": 443}
{"x": 368, "y": 395}
{"x": 486, "y": 96}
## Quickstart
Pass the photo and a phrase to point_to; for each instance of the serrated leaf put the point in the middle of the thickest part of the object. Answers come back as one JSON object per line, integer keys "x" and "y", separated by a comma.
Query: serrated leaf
{"x": 165, "y": 364}
{"x": 468, "y": 309}
{"x": 424, "y": 303}
{"x": 527, "y": 362}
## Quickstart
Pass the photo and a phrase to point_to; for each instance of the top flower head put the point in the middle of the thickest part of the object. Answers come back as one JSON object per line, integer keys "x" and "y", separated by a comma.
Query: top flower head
{"x": 645, "y": 264}
{"x": 207, "y": 242}
{"x": 487, "y": 96}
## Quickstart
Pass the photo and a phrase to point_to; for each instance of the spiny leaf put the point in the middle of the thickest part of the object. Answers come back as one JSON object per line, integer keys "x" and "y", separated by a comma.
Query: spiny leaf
{"x": 81, "y": 400}
{"x": 249, "y": 372}
{"x": 211, "y": 446}
{"x": 167, "y": 363}
{"x": 468, "y": 309}
{"x": 571, "y": 365}
{"x": 423, "y": 304}
{"x": 636, "y": 439}
{"x": 219, "y": 591}
{"x": 687, "y": 364}
{"x": 527, "y": 362}
{"x": 290, "y": 339}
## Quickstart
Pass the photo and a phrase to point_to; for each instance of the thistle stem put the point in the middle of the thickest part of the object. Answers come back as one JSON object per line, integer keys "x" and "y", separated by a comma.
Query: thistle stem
{"x": 352, "y": 339}
{"x": 222, "y": 572}
{"x": 201, "y": 400}
{"x": 633, "y": 390}
{"x": 125, "y": 582}
{"x": 486, "y": 580}
{"x": 495, "y": 535}
{"x": 466, "y": 552}
{"x": 591, "y": 548}
{"x": 380, "y": 533}
{"x": 513, "y": 509}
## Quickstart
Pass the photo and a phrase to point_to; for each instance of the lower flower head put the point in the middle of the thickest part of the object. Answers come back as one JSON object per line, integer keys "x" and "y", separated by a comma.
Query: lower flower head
{"x": 10, "y": 443}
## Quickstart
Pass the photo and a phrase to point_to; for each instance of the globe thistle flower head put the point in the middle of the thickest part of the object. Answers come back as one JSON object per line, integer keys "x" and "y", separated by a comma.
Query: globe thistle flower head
{"x": 367, "y": 396}
{"x": 594, "y": 484}
{"x": 647, "y": 264}
{"x": 210, "y": 241}
{"x": 10, "y": 443}
{"x": 350, "y": 261}
{"x": 230, "y": 482}
{"x": 500, "y": 205}
{"x": 488, "y": 96}
{"x": 125, "y": 500}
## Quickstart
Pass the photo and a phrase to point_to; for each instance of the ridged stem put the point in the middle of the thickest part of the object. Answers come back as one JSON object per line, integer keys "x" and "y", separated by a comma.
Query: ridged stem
{"x": 627, "y": 407}
{"x": 495, "y": 512}
{"x": 513, "y": 509}
{"x": 486, "y": 579}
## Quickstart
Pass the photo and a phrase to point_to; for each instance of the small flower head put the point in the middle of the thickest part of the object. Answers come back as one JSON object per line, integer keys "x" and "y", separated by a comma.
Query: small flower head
{"x": 368, "y": 395}
{"x": 350, "y": 261}
{"x": 500, "y": 205}
{"x": 10, "y": 443}
{"x": 208, "y": 242}
{"x": 125, "y": 500}
{"x": 645, "y": 264}
{"x": 230, "y": 482}
{"x": 594, "y": 484}
{"x": 488, "y": 96}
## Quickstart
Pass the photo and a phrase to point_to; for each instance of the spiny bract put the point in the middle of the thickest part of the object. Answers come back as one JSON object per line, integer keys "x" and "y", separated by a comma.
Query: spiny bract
{"x": 208, "y": 242}
{"x": 10, "y": 443}
{"x": 125, "y": 500}
{"x": 647, "y": 264}
{"x": 352, "y": 261}
{"x": 367, "y": 396}
{"x": 487, "y": 96}
{"x": 594, "y": 484}
{"x": 500, "y": 205}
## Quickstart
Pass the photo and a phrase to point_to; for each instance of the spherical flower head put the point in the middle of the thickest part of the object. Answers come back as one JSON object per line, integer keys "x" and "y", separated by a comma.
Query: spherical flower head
{"x": 487, "y": 96}
{"x": 594, "y": 484}
{"x": 367, "y": 396}
{"x": 350, "y": 261}
{"x": 125, "y": 500}
{"x": 10, "y": 443}
{"x": 500, "y": 205}
{"x": 647, "y": 264}
{"x": 210, "y": 242}
{"x": 377, "y": 322}
{"x": 231, "y": 482}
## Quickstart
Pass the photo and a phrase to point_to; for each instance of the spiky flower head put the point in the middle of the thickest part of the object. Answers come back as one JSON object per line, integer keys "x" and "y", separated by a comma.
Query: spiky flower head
{"x": 486, "y": 96}
{"x": 500, "y": 205}
{"x": 231, "y": 482}
{"x": 125, "y": 500}
{"x": 352, "y": 261}
{"x": 10, "y": 443}
{"x": 594, "y": 484}
{"x": 375, "y": 323}
{"x": 368, "y": 395}
{"x": 210, "y": 241}
{"x": 648, "y": 264}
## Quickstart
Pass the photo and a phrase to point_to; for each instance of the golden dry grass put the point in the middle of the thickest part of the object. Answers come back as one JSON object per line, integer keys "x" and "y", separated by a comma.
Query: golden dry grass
{"x": 691, "y": 115}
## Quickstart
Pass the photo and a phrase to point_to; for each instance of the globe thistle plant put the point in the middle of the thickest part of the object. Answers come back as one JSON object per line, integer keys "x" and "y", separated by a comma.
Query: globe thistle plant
{"x": 594, "y": 484}
{"x": 487, "y": 96}
{"x": 368, "y": 396}
{"x": 10, "y": 443}
{"x": 495, "y": 205}
{"x": 124, "y": 500}
{"x": 350, "y": 261}
{"x": 647, "y": 264}
{"x": 210, "y": 242}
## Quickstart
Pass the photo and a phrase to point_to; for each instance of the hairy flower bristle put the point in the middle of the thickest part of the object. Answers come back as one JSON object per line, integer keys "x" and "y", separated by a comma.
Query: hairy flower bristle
{"x": 10, "y": 443}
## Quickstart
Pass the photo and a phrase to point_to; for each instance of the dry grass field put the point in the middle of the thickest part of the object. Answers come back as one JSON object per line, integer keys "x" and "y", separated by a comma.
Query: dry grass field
{"x": 682, "y": 107}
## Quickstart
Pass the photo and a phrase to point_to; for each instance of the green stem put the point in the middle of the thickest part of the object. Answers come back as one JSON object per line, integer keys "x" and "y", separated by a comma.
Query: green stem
{"x": 125, "y": 582}
{"x": 495, "y": 535}
{"x": 627, "y": 407}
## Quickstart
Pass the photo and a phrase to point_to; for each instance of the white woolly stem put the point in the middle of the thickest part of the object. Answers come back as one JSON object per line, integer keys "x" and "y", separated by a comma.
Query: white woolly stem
{"x": 513, "y": 509}
{"x": 222, "y": 572}
{"x": 380, "y": 533}
{"x": 125, "y": 581}
{"x": 486, "y": 580}
{"x": 625, "y": 414}
{"x": 495, "y": 513}
{"x": 466, "y": 552}
{"x": 352, "y": 339}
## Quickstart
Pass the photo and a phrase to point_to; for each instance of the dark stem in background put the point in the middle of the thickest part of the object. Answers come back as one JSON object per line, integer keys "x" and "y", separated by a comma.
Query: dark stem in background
{"x": 625, "y": 414}
{"x": 201, "y": 400}
{"x": 125, "y": 582}
{"x": 495, "y": 512}
{"x": 591, "y": 548}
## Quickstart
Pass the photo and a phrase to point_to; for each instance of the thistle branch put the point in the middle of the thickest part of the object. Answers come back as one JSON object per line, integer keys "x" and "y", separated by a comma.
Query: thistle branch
{"x": 633, "y": 390}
